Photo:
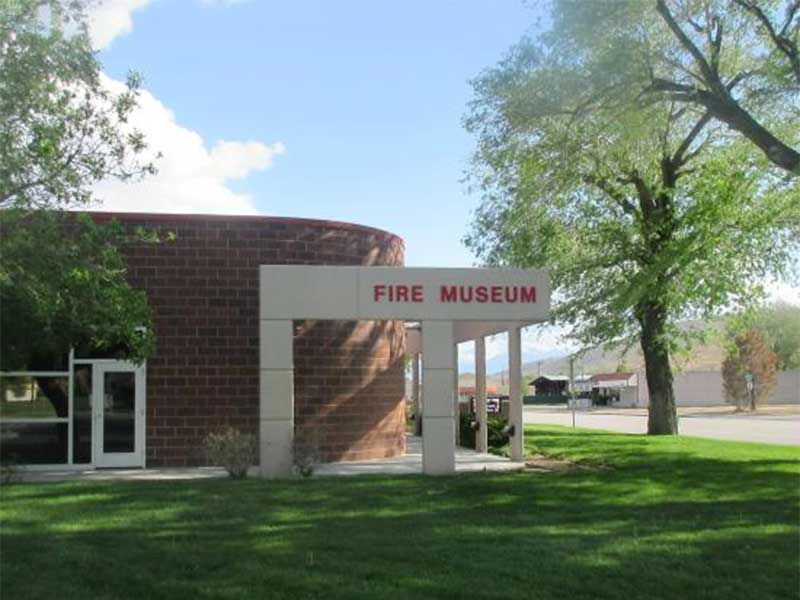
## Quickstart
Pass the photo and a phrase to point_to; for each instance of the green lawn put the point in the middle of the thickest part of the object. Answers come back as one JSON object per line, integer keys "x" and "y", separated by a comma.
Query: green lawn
{"x": 665, "y": 518}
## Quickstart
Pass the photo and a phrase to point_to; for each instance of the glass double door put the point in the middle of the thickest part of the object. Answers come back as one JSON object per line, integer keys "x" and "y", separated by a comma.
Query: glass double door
{"x": 118, "y": 413}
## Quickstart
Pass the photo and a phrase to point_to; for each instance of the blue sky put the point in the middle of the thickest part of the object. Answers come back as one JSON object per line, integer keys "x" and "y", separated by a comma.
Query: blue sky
{"x": 366, "y": 98}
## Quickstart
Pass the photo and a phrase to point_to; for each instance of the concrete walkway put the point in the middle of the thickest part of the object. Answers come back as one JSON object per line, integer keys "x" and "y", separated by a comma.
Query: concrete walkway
{"x": 411, "y": 463}
{"x": 408, "y": 464}
{"x": 771, "y": 425}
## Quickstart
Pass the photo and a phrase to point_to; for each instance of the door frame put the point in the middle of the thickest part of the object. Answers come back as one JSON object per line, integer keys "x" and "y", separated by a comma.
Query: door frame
{"x": 134, "y": 459}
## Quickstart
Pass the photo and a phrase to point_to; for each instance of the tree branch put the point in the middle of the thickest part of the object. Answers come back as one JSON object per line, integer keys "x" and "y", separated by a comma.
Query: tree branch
{"x": 783, "y": 43}
{"x": 706, "y": 69}
{"x": 679, "y": 158}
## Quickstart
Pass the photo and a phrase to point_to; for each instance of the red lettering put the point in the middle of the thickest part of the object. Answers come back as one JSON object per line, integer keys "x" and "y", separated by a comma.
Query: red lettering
{"x": 481, "y": 293}
{"x": 511, "y": 298}
{"x": 416, "y": 293}
{"x": 378, "y": 291}
{"x": 448, "y": 293}
{"x": 497, "y": 294}
{"x": 465, "y": 293}
{"x": 402, "y": 293}
{"x": 528, "y": 294}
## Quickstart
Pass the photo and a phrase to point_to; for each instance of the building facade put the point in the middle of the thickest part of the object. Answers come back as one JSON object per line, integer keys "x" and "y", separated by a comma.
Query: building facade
{"x": 202, "y": 284}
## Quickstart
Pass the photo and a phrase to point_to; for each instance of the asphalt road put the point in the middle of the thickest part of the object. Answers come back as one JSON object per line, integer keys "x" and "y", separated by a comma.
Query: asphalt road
{"x": 775, "y": 425}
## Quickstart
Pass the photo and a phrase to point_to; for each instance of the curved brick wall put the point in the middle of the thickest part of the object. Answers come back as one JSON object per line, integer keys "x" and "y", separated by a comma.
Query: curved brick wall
{"x": 203, "y": 290}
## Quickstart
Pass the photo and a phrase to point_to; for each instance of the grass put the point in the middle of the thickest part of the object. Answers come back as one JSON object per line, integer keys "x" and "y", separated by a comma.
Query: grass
{"x": 666, "y": 518}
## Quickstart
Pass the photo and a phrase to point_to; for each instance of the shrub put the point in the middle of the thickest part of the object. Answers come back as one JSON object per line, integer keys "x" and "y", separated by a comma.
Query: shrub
{"x": 232, "y": 449}
{"x": 496, "y": 438}
{"x": 749, "y": 354}
{"x": 306, "y": 450}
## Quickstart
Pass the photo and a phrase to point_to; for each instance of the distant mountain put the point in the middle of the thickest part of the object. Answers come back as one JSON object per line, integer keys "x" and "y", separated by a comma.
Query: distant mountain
{"x": 703, "y": 357}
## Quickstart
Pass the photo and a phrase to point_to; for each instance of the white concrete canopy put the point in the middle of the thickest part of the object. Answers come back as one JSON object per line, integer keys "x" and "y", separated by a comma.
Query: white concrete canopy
{"x": 449, "y": 305}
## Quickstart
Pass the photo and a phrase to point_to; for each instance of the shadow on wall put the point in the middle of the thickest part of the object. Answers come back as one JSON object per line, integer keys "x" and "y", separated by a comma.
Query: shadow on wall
{"x": 350, "y": 388}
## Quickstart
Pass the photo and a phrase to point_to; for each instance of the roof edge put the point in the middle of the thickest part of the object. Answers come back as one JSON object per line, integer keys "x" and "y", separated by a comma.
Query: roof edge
{"x": 105, "y": 216}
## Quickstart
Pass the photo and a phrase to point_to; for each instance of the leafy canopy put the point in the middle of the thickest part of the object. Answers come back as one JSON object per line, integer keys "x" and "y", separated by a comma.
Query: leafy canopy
{"x": 62, "y": 129}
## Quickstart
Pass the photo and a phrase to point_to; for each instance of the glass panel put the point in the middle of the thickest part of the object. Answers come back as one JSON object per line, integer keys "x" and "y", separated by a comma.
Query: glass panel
{"x": 119, "y": 411}
{"x": 82, "y": 415}
{"x": 34, "y": 443}
{"x": 34, "y": 397}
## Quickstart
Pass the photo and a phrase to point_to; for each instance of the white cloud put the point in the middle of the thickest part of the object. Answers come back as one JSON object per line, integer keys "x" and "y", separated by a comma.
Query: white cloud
{"x": 110, "y": 19}
{"x": 191, "y": 176}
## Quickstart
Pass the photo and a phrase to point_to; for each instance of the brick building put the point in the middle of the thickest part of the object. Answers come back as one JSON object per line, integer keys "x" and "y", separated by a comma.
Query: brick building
{"x": 202, "y": 286}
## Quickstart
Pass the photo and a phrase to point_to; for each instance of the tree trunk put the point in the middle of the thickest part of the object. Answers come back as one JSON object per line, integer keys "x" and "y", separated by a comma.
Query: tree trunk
{"x": 662, "y": 416}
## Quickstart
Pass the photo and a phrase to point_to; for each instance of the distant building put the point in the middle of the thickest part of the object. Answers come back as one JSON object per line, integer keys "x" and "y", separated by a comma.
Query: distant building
{"x": 615, "y": 389}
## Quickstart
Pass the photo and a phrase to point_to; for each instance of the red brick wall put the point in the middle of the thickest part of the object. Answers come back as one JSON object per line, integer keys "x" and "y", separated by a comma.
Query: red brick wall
{"x": 203, "y": 289}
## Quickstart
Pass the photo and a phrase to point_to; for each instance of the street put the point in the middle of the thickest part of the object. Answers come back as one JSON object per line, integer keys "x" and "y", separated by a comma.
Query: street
{"x": 772, "y": 424}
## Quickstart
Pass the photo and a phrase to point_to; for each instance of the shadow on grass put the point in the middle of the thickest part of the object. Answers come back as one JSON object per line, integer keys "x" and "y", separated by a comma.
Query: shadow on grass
{"x": 670, "y": 520}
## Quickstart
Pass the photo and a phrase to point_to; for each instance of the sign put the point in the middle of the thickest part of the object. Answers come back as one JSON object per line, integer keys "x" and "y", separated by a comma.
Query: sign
{"x": 409, "y": 293}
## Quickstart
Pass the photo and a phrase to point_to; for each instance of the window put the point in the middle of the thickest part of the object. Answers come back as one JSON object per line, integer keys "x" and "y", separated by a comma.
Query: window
{"x": 34, "y": 417}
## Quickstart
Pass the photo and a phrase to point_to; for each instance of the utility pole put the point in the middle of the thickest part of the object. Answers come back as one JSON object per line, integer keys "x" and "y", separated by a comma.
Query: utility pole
{"x": 572, "y": 386}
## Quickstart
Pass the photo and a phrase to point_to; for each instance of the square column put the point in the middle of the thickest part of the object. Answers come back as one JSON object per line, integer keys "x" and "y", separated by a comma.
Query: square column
{"x": 276, "y": 398}
{"x": 438, "y": 379}
{"x": 456, "y": 406}
{"x": 481, "y": 435}
{"x": 415, "y": 394}
{"x": 515, "y": 393}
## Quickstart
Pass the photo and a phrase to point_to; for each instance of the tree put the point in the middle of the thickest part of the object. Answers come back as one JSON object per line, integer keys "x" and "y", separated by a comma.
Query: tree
{"x": 749, "y": 371}
{"x": 779, "y": 323}
{"x": 62, "y": 130}
{"x": 62, "y": 286}
{"x": 644, "y": 213}
{"x": 62, "y": 281}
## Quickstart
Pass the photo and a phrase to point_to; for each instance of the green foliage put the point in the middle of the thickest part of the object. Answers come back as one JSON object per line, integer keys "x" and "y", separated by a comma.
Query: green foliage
{"x": 780, "y": 323}
{"x": 749, "y": 370}
{"x": 496, "y": 437}
{"x": 62, "y": 128}
{"x": 232, "y": 449}
{"x": 62, "y": 285}
{"x": 644, "y": 212}
{"x": 62, "y": 281}
{"x": 736, "y": 60}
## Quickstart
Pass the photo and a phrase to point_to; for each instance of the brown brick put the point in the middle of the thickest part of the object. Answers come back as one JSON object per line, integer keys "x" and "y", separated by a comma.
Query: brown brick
{"x": 203, "y": 290}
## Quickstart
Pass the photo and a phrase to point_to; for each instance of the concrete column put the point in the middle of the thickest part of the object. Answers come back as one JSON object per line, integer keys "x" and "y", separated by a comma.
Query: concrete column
{"x": 481, "y": 438}
{"x": 276, "y": 398}
{"x": 515, "y": 393}
{"x": 456, "y": 409}
{"x": 415, "y": 394}
{"x": 438, "y": 430}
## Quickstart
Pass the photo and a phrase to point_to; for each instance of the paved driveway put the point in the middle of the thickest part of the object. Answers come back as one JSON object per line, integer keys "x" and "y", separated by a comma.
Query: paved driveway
{"x": 772, "y": 425}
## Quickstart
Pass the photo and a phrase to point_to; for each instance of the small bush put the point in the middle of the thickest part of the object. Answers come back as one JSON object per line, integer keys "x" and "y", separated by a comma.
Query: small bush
{"x": 306, "y": 450}
{"x": 232, "y": 449}
{"x": 494, "y": 427}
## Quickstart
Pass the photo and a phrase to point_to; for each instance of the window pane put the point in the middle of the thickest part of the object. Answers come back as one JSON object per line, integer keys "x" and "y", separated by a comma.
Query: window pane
{"x": 119, "y": 412}
{"x": 34, "y": 397}
{"x": 82, "y": 415}
{"x": 34, "y": 443}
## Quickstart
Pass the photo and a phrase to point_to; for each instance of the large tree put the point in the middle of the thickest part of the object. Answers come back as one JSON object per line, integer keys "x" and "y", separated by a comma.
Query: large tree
{"x": 643, "y": 212}
{"x": 61, "y": 280}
